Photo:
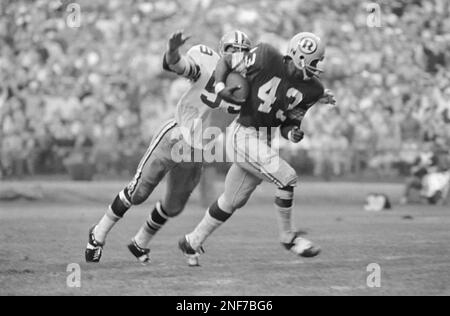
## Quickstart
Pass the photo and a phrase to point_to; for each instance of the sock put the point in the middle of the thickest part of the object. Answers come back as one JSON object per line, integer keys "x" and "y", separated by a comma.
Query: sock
{"x": 212, "y": 220}
{"x": 283, "y": 203}
{"x": 105, "y": 225}
{"x": 115, "y": 212}
{"x": 154, "y": 223}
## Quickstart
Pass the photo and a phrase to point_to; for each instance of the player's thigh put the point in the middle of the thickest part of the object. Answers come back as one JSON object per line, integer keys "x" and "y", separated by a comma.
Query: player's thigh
{"x": 253, "y": 154}
{"x": 154, "y": 165}
{"x": 181, "y": 182}
{"x": 239, "y": 186}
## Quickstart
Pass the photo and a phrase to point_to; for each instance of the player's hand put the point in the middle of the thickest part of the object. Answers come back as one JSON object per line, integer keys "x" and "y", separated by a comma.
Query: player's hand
{"x": 227, "y": 95}
{"x": 296, "y": 135}
{"x": 177, "y": 40}
{"x": 328, "y": 97}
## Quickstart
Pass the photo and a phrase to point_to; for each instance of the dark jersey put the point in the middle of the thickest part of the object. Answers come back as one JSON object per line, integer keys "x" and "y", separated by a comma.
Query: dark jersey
{"x": 273, "y": 97}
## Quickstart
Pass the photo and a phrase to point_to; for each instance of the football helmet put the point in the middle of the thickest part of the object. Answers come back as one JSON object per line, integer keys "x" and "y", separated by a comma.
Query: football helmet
{"x": 306, "y": 50}
{"x": 236, "y": 39}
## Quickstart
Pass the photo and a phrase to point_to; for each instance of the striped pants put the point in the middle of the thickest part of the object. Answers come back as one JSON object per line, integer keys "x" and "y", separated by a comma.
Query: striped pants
{"x": 157, "y": 163}
{"x": 254, "y": 162}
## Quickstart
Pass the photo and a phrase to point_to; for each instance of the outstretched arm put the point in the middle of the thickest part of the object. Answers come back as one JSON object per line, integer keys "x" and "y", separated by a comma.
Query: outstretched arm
{"x": 175, "y": 62}
{"x": 327, "y": 97}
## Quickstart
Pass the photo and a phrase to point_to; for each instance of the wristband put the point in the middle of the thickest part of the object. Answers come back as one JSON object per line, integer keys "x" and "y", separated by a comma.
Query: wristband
{"x": 219, "y": 87}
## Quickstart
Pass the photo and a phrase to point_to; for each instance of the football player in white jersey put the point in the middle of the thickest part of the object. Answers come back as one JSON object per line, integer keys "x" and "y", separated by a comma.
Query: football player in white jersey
{"x": 199, "y": 107}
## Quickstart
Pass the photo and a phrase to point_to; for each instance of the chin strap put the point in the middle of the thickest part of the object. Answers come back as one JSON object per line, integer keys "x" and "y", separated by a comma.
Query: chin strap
{"x": 303, "y": 65}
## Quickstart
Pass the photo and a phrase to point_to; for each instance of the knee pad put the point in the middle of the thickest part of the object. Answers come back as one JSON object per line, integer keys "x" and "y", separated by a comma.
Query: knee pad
{"x": 292, "y": 178}
{"x": 284, "y": 176}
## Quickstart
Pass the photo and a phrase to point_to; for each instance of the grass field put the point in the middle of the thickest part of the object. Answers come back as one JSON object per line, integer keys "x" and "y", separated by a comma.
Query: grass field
{"x": 38, "y": 239}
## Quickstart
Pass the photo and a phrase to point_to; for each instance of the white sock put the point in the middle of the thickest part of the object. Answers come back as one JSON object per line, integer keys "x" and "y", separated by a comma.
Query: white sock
{"x": 105, "y": 225}
{"x": 285, "y": 219}
{"x": 205, "y": 228}
{"x": 143, "y": 236}
{"x": 284, "y": 205}
{"x": 155, "y": 221}
{"x": 285, "y": 223}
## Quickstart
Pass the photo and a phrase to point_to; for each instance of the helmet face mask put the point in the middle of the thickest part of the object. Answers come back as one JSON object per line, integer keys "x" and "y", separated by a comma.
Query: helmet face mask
{"x": 306, "y": 50}
{"x": 313, "y": 69}
{"x": 237, "y": 40}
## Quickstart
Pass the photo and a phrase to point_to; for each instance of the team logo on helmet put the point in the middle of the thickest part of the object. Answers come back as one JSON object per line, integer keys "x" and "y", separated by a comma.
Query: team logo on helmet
{"x": 307, "y": 45}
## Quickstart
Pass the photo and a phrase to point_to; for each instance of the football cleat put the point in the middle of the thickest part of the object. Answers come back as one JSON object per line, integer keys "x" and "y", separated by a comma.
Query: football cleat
{"x": 189, "y": 252}
{"x": 302, "y": 246}
{"x": 94, "y": 248}
{"x": 142, "y": 254}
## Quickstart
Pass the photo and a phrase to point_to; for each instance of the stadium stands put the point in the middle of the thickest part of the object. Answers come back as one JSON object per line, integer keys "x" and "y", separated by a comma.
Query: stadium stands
{"x": 93, "y": 94}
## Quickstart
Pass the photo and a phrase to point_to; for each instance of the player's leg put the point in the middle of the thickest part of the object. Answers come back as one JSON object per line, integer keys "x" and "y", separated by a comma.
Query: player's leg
{"x": 239, "y": 185}
{"x": 263, "y": 161}
{"x": 152, "y": 168}
{"x": 181, "y": 182}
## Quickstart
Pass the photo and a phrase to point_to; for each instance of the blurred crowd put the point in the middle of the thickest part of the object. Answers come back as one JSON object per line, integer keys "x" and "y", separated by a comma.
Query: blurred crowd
{"x": 94, "y": 93}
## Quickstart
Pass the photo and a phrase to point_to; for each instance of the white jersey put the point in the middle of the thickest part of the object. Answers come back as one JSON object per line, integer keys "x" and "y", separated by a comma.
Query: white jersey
{"x": 200, "y": 107}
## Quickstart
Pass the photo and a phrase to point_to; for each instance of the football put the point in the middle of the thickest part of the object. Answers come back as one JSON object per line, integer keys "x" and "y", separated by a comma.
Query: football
{"x": 235, "y": 79}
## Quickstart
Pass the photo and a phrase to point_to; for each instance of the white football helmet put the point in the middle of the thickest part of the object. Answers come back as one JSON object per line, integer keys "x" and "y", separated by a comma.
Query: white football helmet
{"x": 236, "y": 39}
{"x": 306, "y": 50}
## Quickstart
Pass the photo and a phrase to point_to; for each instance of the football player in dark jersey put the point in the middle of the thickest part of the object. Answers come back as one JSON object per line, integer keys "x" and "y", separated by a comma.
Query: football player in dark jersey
{"x": 282, "y": 89}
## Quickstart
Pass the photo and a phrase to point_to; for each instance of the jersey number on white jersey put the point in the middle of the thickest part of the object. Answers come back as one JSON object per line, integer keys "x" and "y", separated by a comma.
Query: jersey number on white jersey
{"x": 211, "y": 99}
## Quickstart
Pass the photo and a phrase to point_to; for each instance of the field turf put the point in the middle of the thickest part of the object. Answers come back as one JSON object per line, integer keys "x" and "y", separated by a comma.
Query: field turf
{"x": 38, "y": 239}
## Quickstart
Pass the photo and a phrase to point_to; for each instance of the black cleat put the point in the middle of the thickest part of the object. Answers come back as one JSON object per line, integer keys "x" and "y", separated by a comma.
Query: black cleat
{"x": 142, "y": 254}
{"x": 94, "y": 249}
{"x": 189, "y": 252}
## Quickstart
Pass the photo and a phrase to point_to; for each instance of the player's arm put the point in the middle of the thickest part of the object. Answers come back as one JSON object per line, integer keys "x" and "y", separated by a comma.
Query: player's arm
{"x": 177, "y": 63}
{"x": 327, "y": 97}
{"x": 223, "y": 68}
{"x": 290, "y": 130}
